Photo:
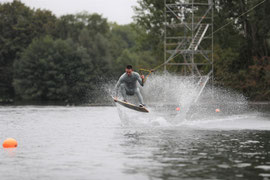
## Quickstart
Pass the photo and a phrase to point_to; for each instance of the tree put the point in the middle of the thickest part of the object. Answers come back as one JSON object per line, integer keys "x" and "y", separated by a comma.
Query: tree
{"x": 70, "y": 26}
{"x": 19, "y": 25}
{"x": 253, "y": 26}
{"x": 247, "y": 36}
{"x": 53, "y": 70}
{"x": 90, "y": 31}
{"x": 149, "y": 18}
{"x": 121, "y": 37}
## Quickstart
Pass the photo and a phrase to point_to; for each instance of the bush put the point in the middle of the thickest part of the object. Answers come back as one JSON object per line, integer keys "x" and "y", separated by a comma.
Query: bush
{"x": 53, "y": 70}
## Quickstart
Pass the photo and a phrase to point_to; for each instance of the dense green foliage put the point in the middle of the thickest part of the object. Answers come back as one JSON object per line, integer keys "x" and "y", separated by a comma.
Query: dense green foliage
{"x": 247, "y": 41}
{"x": 19, "y": 25}
{"x": 67, "y": 59}
{"x": 54, "y": 70}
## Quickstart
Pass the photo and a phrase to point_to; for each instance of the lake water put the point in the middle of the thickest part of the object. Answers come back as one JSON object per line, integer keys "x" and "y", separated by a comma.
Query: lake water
{"x": 93, "y": 143}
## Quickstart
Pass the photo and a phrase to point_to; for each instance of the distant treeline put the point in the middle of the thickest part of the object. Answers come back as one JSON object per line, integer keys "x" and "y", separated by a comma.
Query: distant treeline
{"x": 46, "y": 58}
{"x": 68, "y": 58}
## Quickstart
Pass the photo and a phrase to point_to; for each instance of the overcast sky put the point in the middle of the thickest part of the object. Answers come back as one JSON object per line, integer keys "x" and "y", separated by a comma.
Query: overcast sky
{"x": 119, "y": 11}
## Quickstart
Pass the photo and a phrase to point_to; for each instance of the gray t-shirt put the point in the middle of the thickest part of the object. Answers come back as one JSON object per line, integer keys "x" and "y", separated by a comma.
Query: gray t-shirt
{"x": 130, "y": 82}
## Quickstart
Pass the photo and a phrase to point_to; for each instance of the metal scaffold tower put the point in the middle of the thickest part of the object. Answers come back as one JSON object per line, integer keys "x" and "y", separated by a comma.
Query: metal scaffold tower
{"x": 188, "y": 41}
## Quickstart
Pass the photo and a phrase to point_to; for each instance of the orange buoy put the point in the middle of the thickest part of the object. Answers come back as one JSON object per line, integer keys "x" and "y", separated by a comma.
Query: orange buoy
{"x": 177, "y": 109}
{"x": 10, "y": 143}
{"x": 217, "y": 110}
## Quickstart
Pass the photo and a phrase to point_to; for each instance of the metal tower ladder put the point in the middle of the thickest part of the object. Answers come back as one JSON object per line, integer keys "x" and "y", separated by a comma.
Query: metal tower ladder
{"x": 198, "y": 37}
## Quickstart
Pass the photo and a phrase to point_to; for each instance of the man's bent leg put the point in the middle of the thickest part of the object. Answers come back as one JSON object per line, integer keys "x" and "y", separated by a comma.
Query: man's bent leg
{"x": 138, "y": 93}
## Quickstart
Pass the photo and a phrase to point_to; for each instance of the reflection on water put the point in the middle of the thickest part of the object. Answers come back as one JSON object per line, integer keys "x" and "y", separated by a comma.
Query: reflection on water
{"x": 92, "y": 143}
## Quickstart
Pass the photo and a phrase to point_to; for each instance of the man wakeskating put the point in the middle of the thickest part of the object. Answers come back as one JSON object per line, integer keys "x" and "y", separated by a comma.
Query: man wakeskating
{"x": 128, "y": 85}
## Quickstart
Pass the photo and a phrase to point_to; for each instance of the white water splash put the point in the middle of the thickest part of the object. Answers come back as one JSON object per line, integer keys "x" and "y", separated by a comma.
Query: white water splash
{"x": 171, "y": 101}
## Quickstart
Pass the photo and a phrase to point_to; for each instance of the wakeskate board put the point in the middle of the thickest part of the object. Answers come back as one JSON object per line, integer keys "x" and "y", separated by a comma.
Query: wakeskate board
{"x": 130, "y": 106}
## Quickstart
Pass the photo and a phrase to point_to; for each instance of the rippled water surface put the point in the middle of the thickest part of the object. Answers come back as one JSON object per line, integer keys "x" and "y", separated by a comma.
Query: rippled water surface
{"x": 93, "y": 143}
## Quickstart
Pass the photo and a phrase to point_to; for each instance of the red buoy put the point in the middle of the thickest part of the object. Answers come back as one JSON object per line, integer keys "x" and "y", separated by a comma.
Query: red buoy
{"x": 10, "y": 143}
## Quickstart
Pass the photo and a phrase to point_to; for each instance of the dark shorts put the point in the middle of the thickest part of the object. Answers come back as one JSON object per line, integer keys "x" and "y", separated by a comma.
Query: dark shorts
{"x": 129, "y": 92}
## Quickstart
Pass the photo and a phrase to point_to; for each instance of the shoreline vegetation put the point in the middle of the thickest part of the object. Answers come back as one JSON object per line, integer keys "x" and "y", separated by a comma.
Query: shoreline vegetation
{"x": 258, "y": 106}
{"x": 106, "y": 103}
{"x": 69, "y": 59}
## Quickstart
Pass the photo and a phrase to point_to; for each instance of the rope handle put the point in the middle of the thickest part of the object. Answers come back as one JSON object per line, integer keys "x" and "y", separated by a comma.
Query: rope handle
{"x": 146, "y": 70}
